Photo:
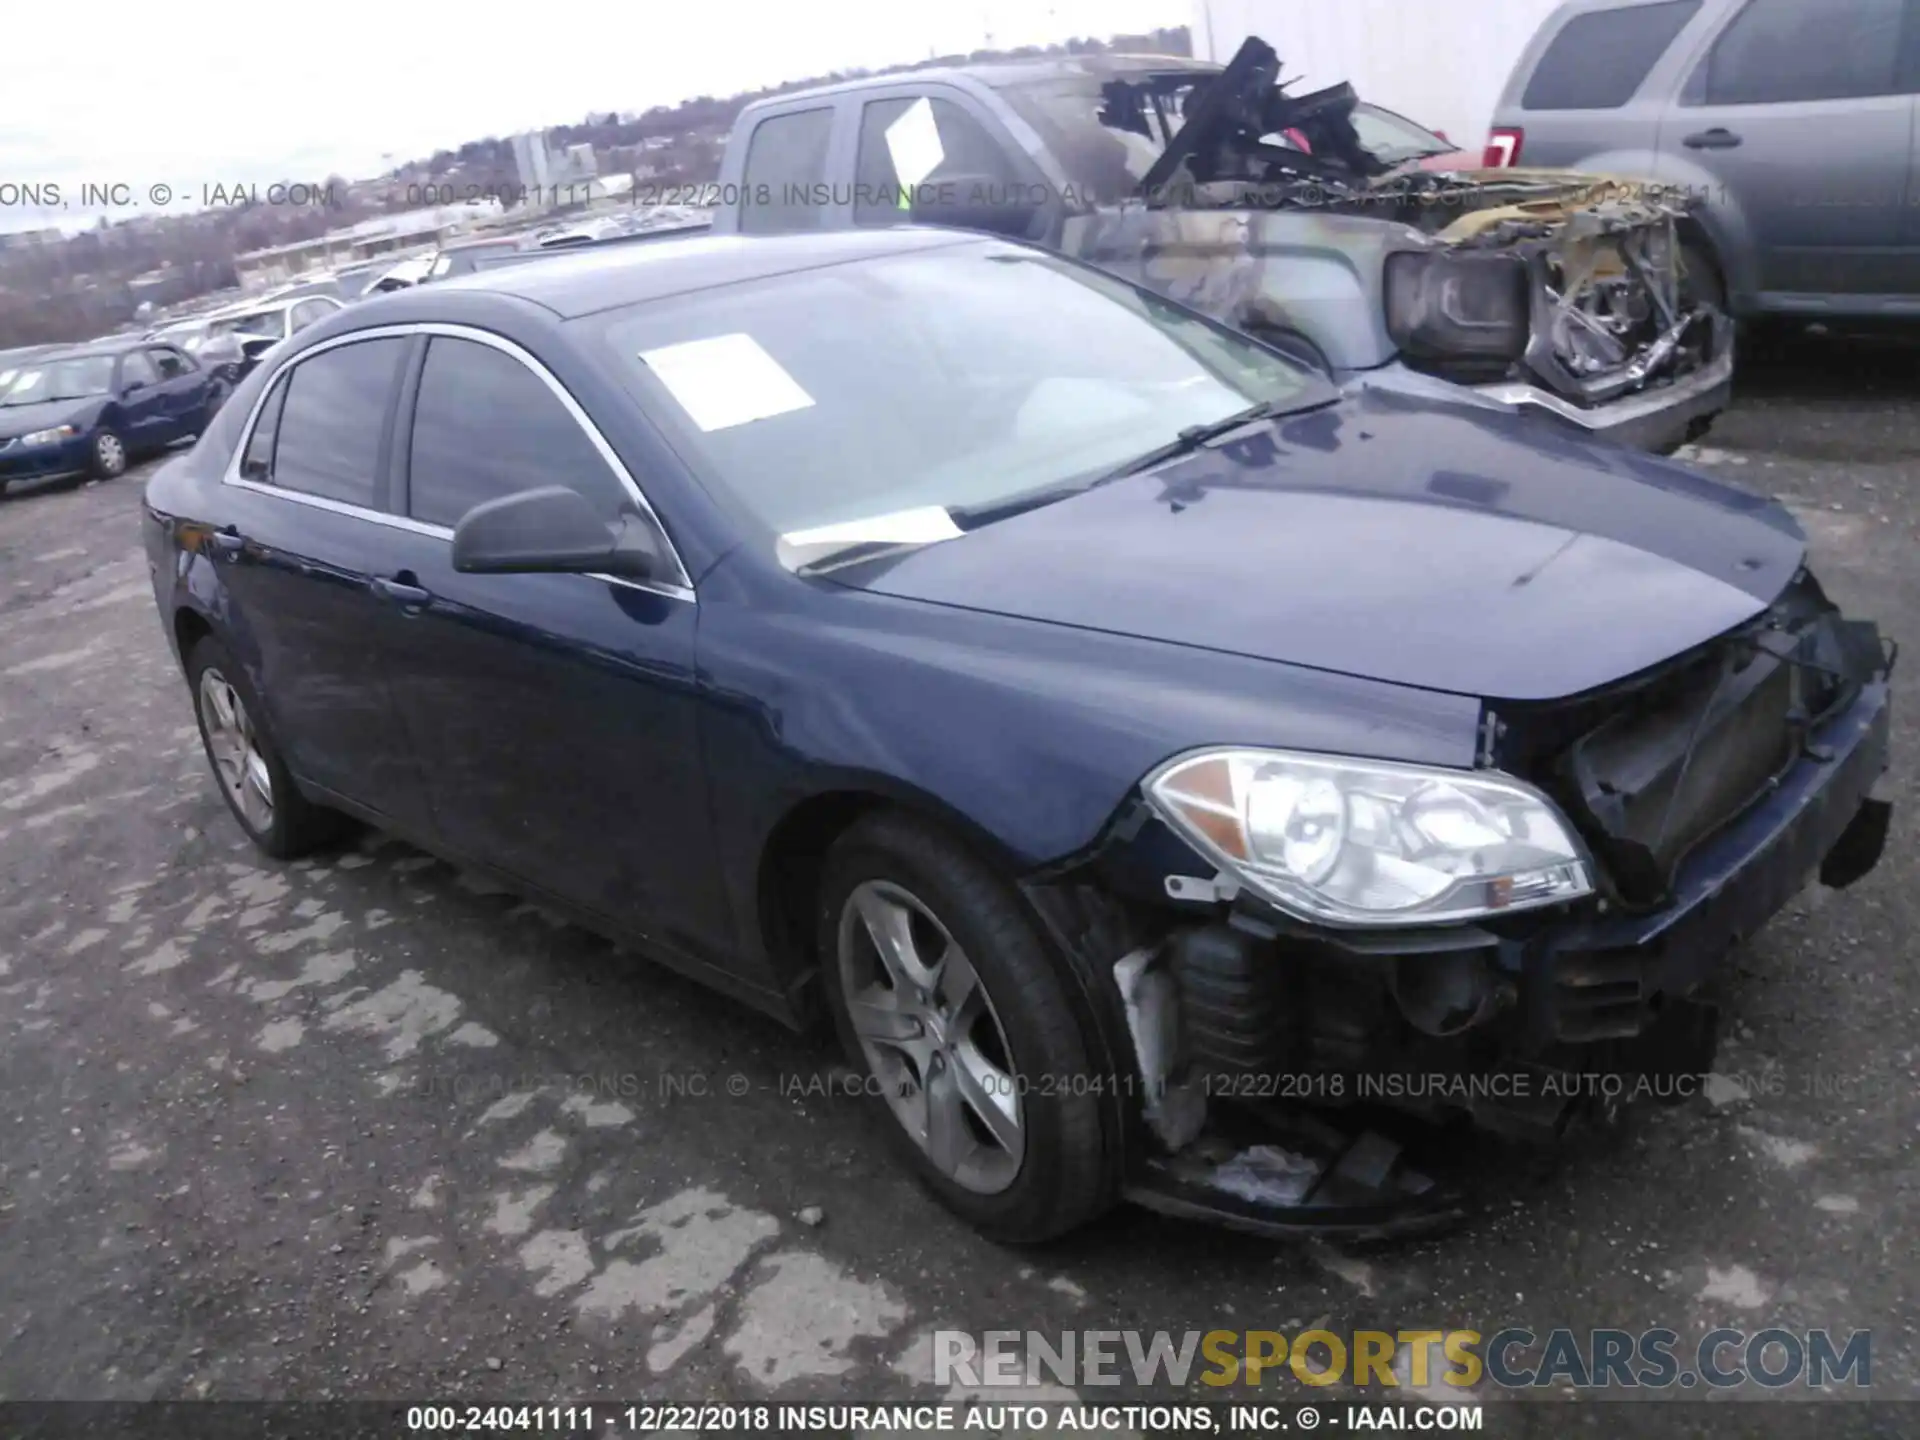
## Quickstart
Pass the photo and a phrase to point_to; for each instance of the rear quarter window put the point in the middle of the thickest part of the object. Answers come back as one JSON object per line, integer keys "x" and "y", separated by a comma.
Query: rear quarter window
{"x": 1600, "y": 58}
{"x": 786, "y": 154}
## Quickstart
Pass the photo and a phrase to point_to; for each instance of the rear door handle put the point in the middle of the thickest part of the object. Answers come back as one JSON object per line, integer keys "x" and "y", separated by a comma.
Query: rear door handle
{"x": 401, "y": 590}
{"x": 1718, "y": 138}
{"x": 228, "y": 541}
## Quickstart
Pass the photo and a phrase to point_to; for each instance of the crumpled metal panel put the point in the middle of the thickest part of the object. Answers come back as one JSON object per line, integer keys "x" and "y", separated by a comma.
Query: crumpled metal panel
{"x": 1314, "y": 273}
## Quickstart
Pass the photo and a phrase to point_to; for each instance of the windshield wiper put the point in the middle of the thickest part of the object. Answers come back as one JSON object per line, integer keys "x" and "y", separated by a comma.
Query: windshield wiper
{"x": 972, "y": 517}
{"x": 1194, "y": 436}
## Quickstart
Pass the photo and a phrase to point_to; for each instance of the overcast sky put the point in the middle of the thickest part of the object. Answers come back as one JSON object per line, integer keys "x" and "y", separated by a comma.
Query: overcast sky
{"x": 265, "y": 92}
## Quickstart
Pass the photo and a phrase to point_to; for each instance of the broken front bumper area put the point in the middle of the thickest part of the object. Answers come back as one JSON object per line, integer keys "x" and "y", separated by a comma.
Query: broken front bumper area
{"x": 1659, "y": 419}
{"x": 1273, "y": 1057}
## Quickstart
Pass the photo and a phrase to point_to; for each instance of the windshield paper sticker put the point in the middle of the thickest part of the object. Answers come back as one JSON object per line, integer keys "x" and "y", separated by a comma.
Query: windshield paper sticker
{"x": 914, "y": 143}
{"x": 726, "y": 380}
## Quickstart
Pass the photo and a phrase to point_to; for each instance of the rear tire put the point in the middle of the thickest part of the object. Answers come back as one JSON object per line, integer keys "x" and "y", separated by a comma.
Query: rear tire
{"x": 1022, "y": 1032}
{"x": 246, "y": 763}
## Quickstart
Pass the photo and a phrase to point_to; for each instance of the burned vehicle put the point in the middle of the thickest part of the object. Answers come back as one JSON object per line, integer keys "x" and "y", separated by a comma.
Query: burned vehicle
{"x": 1137, "y": 747}
{"x": 1594, "y": 302}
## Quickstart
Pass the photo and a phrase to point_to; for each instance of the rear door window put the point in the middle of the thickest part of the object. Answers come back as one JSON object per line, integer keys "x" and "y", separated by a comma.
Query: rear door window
{"x": 967, "y": 148}
{"x": 332, "y": 419}
{"x": 1598, "y": 60}
{"x": 136, "y": 369}
{"x": 785, "y": 155}
{"x": 486, "y": 426}
{"x": 1784, "y": 50}
{"x": 170, "y": 362}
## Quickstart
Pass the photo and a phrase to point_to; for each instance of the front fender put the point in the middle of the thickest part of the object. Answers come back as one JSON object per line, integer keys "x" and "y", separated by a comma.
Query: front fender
{"x": 1717, "y": 210}
{"x": 1316, "y": 273}
{"x": 1032, "y": 736}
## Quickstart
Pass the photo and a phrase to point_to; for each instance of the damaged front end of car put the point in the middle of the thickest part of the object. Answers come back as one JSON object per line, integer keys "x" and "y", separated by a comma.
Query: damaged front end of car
{"x": 1587, "y": 299}
{"x": 1298, "y": 1068}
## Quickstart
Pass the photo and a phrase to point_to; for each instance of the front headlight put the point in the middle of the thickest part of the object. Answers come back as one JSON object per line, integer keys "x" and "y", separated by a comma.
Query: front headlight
{"x": 1368, "y": 842}
{"x": 1451, "y": 305}
{"x": 51, "y": 437}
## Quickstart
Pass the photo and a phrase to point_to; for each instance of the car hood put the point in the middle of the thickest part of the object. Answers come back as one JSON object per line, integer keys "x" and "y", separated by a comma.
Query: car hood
{"x": 1439, "y": 546}
{"x": 25, "y": 419}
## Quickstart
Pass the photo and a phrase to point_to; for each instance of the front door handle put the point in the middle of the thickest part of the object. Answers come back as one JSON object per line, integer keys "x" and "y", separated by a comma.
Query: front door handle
{"x": 228, "y": 541}
{"x": 401, "y": 590}
{"x": 1718, "y": 138}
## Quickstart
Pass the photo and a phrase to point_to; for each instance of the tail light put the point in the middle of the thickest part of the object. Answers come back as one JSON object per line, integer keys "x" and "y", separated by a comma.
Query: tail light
{"x": 1503, "y": 147}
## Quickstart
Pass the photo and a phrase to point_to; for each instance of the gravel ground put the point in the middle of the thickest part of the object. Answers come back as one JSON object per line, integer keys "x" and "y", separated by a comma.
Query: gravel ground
{"x": 362, "y": 1126}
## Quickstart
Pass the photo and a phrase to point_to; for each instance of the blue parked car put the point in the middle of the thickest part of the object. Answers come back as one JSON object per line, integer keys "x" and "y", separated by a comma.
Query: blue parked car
{"x": 1138, "y": 750}
{"x": 90, "y": 410}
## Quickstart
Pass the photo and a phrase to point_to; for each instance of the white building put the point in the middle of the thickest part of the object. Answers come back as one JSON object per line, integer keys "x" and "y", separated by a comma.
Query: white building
{"x": 1441, "y": 63}
{"x": 397, "y": 235}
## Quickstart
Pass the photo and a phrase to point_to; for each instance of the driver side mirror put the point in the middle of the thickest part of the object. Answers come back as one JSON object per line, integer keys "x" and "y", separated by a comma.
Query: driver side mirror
{"x": 551, "y": 530}
{"x": 976, "y": 202}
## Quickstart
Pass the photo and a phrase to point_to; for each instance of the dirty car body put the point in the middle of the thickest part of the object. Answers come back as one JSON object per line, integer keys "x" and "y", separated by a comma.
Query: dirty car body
{"x": 1550, "y": 293}
{"x": 1584, "y": 300}
{"x": 1075, "y": 700}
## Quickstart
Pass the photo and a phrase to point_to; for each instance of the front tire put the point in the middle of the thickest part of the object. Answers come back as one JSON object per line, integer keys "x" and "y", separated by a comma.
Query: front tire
{"x": 217, "y": 393}
{"x": 947, "y": 999}
{"x": 109, "y": 456}
{"x": 253, "y": 779}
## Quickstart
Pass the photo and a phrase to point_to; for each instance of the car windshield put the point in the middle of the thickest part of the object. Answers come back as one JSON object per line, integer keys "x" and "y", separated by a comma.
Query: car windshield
{"x": 1394, "y": 138}
{"x": 965, "y": 377}
{"x": 260, "y": 322}
{"x": 1106, "y": 161}
{"x": 74, "y": 379}
{"x": 1072, "y": 114}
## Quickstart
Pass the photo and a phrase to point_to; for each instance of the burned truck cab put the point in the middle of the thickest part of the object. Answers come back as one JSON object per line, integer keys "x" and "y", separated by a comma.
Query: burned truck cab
{"x": 1589, "y": 302}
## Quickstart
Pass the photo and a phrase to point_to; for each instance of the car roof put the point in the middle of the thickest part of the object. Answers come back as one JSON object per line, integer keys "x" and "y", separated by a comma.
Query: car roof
{"x": 260, "y": 307}
{"x": 1001, "y": 73}
{"x": 572, "y": 283}
{"x": 113, "y": 348}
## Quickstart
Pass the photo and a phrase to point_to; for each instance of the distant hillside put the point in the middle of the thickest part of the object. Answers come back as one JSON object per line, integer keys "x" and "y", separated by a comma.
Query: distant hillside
{"x": 83, "y": 286}
{"x": 681, "y": 144}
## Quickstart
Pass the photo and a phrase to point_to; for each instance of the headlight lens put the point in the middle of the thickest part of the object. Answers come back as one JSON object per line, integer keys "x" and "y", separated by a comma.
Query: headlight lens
{"x": 1448, "y": 305}
{"x": 50, "y": 437}
{"x": 1364, "y": 842}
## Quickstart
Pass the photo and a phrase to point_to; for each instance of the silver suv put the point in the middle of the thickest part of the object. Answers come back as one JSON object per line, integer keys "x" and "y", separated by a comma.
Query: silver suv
{"x": 1793, "y": 119}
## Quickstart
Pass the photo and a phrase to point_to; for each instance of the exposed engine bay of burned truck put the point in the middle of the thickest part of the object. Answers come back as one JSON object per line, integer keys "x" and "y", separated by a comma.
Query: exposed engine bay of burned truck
{"x": 1589, "y": 287}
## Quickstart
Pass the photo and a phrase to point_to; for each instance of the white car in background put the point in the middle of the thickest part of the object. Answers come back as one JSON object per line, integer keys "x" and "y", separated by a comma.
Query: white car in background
{"x": 409, "y": 272}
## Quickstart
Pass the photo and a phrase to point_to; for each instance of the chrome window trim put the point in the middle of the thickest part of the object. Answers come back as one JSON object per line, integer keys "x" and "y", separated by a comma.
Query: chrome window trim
{"x": 680, "y": 589}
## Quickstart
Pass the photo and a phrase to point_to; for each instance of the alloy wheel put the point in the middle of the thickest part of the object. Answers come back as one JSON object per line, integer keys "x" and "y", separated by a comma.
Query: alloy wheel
{"x": 234, "y": 747}
{"x": 931, "y": 1037}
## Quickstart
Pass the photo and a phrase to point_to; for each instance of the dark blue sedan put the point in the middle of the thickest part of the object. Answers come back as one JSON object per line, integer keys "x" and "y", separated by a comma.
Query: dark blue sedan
{"x": 91, "y": 410}
{"x": 1140, "y": 751}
